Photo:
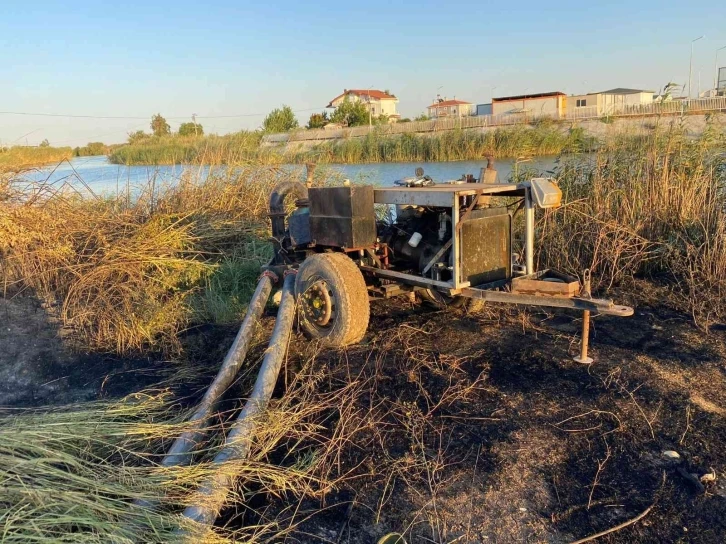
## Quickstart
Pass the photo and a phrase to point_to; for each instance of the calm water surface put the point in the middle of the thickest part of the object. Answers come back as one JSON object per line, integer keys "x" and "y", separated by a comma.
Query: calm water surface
{"x": 102, "y": 177}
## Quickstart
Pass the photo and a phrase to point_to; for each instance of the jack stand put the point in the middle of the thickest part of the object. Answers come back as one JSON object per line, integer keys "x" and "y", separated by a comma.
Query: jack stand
{"x": 583, "y": 358}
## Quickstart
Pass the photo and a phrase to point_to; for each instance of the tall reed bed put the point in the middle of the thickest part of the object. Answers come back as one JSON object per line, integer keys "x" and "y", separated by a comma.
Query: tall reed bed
{"x": 542, "y": 139}
{"x": 229, "y": 149}
{"x": 653, "y": 207}
{"x": 132, "y": 274}
{"x": 546, "y": 139}
{"x": 18, "y": 157}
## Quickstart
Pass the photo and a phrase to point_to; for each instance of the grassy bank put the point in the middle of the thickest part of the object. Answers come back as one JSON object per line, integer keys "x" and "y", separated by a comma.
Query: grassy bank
{"x": 19, "y": 157}
{"x": 543, "y": 139}
{"x": 454, "y": 145}
{"x": 229, "y": 149}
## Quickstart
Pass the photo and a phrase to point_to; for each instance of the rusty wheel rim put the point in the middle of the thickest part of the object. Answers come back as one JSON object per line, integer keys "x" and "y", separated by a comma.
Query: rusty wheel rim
{"x": 319, "y": 303}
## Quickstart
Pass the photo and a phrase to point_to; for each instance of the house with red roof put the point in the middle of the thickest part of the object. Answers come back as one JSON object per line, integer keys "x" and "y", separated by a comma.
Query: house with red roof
{"x": 443, "y": 108}
{"x": 377, "y": 102}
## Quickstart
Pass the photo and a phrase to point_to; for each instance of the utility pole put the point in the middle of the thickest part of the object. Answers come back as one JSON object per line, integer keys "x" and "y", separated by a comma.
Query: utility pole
{"x": 194, "y": 120}
{"x": 690, "y": 65}
{"x": 370, "y": 113}
{"x": 715, "y": 69}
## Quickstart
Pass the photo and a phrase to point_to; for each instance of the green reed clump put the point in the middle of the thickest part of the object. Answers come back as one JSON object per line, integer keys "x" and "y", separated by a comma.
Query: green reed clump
{"x": 234, "y": 148}
{"x": 450, "y": 145}
{"x": 647, "y": 206}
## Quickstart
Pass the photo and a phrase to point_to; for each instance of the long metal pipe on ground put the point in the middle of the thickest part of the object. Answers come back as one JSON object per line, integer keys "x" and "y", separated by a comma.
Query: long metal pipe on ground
{"x": 180, "y": 451}
{"x": 211, "y": 496}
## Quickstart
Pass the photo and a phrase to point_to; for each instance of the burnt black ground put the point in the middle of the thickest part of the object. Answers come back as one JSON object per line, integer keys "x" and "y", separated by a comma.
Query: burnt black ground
{"x": 480, "y": 428}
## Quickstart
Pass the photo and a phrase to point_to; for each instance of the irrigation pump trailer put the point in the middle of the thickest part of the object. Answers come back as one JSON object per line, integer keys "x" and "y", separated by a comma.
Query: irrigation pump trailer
{"x": 448, "y": 242}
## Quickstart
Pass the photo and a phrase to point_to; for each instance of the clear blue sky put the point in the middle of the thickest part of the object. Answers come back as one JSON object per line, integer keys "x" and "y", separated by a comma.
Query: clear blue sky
{"x": 223, "y": 57}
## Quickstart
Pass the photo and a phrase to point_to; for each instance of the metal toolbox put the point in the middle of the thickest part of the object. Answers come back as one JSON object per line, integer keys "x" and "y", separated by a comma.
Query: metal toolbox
{"x": 342, "y": 216}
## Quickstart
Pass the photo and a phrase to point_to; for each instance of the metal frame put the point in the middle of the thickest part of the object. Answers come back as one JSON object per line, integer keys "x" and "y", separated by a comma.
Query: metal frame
{"x": 448, "y": 196}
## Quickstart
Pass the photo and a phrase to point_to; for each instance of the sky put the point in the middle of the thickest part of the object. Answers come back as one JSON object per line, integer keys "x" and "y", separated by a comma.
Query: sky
{"x": 231, "y": 62}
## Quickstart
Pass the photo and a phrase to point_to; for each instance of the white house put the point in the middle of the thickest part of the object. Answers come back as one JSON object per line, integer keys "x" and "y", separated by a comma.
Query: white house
{"x": 608, "y": 102}
{"x": 377, "y": 102}
{"x": 450, "y": 108}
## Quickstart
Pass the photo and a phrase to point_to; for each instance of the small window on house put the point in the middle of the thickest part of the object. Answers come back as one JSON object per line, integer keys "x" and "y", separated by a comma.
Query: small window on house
{"x": 581, "y": 102}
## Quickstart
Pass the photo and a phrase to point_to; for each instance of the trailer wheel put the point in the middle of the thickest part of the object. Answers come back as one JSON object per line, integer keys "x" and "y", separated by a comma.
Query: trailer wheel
{"x": 440, "y": 300}
{"x": 332, "y": 299}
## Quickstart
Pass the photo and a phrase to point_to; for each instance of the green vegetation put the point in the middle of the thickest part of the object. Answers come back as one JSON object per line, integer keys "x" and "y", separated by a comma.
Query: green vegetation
{"x": 92, "y": 149}
{"x": 318, "y": 120}
{"x": 546, "y": 139}
{"x": 241, "y": 146}
{"x": 351, "y": 113}
{"x": 159, "y": 126}
{"x": 450, "y": 145}
{"x": 280, "y": 120}
{"x": 17, "y": 157}
{"x": 190, "y": 129}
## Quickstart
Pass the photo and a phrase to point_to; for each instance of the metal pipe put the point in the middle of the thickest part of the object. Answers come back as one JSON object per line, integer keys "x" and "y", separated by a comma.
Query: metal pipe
{"x": 210, "y": 497}
{"x": 277, "y": 204}
{"x": 529, "y": 230}
{"x": 583, "y": 358}
{"x": 179, "y": 453}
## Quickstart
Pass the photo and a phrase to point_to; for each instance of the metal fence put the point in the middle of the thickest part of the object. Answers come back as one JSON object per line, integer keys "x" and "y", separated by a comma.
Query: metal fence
{"x": 673, "y": 107}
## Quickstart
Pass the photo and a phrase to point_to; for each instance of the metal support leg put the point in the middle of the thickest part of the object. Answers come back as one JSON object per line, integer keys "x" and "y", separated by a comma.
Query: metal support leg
{"x": 529, "y": 231}
{"x": 583, "y": 358}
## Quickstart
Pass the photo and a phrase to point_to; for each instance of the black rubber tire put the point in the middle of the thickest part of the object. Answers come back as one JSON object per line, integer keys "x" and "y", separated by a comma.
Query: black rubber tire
{"x": 348, "y": 289}
{"x": 439, "y": 300}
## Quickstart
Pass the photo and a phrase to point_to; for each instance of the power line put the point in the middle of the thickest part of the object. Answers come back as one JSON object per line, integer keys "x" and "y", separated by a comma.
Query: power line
{"x": 74, "y": 116}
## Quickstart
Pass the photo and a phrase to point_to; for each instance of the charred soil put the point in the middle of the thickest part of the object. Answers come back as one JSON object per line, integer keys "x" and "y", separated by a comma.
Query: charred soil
{"x": 465, "y": 427}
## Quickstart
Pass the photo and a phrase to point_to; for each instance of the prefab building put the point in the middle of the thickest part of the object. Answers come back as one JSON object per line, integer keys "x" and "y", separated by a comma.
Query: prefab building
{"x": 552, "y": 104}
{"x": 608, "y": 102}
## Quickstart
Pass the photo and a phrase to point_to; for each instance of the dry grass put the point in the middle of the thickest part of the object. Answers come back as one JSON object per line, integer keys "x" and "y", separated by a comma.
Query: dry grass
{"x": 655, "y": 207}
{"x": 71, "y": 474}
{"x": 16, "y": 158}
{"x": 125, "y": 271}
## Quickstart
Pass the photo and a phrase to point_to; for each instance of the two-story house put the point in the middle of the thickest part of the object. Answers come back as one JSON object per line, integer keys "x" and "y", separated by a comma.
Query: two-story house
{"x": 377, "y": 102}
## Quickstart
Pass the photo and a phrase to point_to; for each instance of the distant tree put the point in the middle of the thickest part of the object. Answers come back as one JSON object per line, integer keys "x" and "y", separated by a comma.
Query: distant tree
{"x": 318, "y": 120}
{"x": 45, "y": 143}
{"x": 405, "y": 120}
{"x": 190, "y": 129}
{"x": 280, "y": 120}
{"x": 91, "y": 149}
{"x": 137, "y": 137}
{"x": 159, "y": 126}
{"x": 422, "y": 117}
{"x": 350, "y": 113}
